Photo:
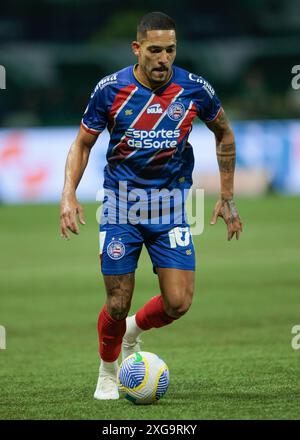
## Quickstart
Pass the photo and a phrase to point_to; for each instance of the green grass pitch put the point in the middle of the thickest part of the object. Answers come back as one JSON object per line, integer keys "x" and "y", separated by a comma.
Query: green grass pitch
{"x": 230, "y": 357}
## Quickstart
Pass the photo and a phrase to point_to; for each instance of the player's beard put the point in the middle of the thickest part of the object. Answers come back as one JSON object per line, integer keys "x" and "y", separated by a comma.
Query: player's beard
{"x": 159, "y": 77}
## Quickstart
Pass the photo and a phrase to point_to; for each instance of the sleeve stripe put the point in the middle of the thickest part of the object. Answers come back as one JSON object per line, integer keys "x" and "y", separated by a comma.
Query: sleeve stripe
{"x": 89, "y": 130}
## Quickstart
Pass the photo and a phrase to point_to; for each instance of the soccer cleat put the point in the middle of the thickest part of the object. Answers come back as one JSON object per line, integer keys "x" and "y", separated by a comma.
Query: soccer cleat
{"x": 107, "y": 388}
{"x": 130, "y": 346}
{"x": 107, "y": 385}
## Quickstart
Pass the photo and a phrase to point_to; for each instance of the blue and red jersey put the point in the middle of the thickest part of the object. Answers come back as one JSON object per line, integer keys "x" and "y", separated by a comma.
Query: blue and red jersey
{"x": 149, "y": 129}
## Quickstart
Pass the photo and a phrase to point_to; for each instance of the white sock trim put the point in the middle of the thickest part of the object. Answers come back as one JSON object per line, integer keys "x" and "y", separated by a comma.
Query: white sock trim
{"x": 132, "y": 329}
{"x": 109, "y": 367}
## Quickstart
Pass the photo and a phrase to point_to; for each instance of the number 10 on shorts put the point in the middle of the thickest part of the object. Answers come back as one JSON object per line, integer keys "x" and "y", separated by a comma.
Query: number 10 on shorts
{"x": 179, "y": 236}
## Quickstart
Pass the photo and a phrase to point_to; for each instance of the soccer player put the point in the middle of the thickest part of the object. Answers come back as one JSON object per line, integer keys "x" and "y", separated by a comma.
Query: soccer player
{"x": 148, "y": 109}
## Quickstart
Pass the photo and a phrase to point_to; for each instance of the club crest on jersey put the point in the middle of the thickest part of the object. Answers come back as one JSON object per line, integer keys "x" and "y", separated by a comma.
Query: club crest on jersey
{"x": 116, "y": 250}
{"x": 154, "y": 109}
{"x": 176, "y": 111}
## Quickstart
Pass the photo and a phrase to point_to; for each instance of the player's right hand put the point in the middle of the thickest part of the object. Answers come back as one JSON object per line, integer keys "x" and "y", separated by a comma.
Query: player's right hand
{"x": 69, "y": 210}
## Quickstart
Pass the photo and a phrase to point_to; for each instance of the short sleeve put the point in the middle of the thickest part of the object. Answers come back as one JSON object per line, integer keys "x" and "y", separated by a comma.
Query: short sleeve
{"x": 95, "y": 116}
{"x": 207, "y": 103}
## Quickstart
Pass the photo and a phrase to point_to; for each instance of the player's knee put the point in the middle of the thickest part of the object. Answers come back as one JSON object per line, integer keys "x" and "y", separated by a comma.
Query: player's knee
{"x": 179, "y": 304}
{"x": 118, "y": 308}
{"x": 178, "y": 310}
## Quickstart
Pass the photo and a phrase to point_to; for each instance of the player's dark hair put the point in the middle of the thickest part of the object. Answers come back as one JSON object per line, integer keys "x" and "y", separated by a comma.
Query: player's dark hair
{"x": 154, "y": 21}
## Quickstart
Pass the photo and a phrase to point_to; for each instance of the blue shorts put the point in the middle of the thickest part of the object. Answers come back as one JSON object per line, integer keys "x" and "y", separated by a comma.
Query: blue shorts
{"x": 121, "y": 245}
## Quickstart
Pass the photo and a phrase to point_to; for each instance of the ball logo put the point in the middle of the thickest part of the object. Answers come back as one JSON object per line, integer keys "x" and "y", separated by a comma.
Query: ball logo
{"x": 176, "y": 111}
{"x": 116, "y": 250}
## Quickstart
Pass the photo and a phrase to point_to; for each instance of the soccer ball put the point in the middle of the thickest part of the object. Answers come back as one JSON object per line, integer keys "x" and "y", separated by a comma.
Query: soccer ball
{"x": 143, "y": 377}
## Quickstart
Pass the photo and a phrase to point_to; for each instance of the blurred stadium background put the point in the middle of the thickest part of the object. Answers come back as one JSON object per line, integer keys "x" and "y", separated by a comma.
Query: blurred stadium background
{"x": 54, "y": 53}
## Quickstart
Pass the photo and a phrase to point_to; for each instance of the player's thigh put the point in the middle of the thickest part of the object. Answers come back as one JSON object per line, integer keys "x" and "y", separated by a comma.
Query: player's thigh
{"x": 120, "y": 248}
{"x": 177, "y": 289}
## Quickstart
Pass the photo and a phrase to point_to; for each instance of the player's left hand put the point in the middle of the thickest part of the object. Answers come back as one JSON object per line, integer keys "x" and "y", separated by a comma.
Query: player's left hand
{"x": 227, "y": 210}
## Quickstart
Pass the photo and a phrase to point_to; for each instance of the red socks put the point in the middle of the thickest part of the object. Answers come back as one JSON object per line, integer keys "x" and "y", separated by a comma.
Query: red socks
{"x": 153, "y": 314}
{"x": 111, "y": 332}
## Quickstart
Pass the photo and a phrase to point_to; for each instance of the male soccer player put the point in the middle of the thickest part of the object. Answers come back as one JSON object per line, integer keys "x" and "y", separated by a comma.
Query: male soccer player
{"x": 148, "y": 109}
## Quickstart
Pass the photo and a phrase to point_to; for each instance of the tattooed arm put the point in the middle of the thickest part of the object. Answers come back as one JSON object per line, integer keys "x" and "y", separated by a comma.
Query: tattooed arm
{"x": 75, "y": 165}
{"x": 225, "y": 148}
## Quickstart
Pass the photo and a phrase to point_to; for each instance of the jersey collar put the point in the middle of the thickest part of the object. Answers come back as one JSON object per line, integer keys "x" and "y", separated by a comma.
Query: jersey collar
{"x": 147, "y": 87}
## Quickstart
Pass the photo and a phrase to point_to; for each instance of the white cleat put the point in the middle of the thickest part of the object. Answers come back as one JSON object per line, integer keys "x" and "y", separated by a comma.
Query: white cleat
{"x": 107, "y": 386}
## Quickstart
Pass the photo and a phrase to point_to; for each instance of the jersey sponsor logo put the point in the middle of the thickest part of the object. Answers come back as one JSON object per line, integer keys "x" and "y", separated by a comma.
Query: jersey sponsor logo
{"x": 152, "y": 138}
{"x": 111, "y": 79}
{"x": 116, "y": 250}
{"x": 154, "y": 109}
{"x": 206, "y": 85}
{"x": 176, "y": 111}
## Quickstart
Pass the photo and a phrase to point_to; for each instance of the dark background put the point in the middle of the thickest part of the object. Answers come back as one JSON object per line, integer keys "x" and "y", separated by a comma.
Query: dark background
{"x": 55, "y": 51}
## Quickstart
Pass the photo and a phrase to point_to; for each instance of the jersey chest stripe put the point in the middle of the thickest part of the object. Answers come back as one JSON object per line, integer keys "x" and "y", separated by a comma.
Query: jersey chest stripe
{"x": 132, "y": 125}
{"x": 161, "y": 156}
{"x": 170, "y": 152}
{"x": 121, "y": 150}
{"x": 140, "y": 115}
{"x": 185, "y": 115}
{"x": 158, "y": 155}
{"x": 164, "y": 113}
{"x": 145, "y": 121}
{"x": 186, "y": 122}
{"x": 150, "y": 121}
{"x": 121, "y": 99}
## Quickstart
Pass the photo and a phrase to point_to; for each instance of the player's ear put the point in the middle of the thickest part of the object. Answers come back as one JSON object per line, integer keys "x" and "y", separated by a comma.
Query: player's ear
{"x": 135, "y": 46}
